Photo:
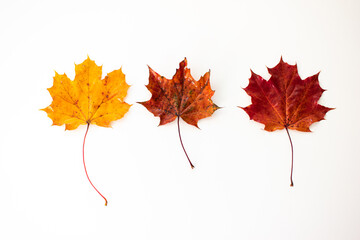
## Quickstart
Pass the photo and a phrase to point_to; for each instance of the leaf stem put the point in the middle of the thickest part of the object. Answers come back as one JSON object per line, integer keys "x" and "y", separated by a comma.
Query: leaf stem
{"x": 292, "y": 157}
{"x": 178, "y": 123}
{"x": 87, "y": 129}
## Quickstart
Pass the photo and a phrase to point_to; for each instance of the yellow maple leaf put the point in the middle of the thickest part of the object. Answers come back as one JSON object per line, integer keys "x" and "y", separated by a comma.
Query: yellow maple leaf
{"x": 87, "y": 99}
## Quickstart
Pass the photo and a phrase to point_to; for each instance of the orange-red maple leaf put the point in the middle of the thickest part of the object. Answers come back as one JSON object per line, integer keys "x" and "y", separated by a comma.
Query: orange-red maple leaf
{"x": 285, "y": 100}
{"x": 180, "y": 97}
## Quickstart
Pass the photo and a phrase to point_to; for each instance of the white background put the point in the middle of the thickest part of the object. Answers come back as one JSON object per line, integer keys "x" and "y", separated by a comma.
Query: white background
{"x": 239, "y": 188}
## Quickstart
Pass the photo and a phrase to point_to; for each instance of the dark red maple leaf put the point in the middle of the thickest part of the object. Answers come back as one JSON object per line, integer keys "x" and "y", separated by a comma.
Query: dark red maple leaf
{"x": 180, "y": 97}
{"x": 285, "y": 101}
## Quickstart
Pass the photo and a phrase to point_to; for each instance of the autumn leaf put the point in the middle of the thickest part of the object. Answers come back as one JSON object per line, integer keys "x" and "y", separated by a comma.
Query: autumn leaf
{"x": 87, "y": 99}
{"x": 180, "y": 97}
{"x": 285, "y": 101}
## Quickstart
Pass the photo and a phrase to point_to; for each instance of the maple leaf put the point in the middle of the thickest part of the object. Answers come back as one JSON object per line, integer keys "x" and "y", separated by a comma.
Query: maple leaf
{"x": 88, "y": 99}
{"x": 285, "y": 101}
{"x": 180, "y": 97}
